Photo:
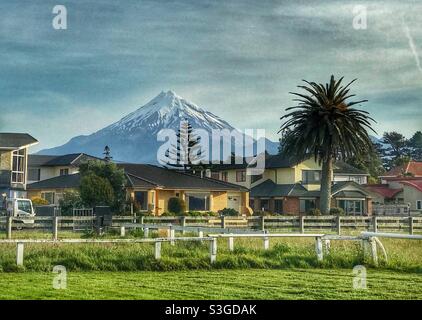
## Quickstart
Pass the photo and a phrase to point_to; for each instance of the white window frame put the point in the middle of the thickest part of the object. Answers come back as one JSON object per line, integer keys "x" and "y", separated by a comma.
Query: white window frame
{"x": 20, "y": 157}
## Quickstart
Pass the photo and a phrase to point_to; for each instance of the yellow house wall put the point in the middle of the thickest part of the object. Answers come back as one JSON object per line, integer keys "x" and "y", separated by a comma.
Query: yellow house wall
{"x": 219, "y": 200}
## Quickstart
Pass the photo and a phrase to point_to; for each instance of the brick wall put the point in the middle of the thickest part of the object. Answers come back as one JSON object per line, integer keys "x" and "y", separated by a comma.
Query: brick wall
{"x": 291, "y": 206}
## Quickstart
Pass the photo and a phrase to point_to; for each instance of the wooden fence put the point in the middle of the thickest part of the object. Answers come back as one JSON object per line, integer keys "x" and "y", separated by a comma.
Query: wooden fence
{"x": 303, "y": 224}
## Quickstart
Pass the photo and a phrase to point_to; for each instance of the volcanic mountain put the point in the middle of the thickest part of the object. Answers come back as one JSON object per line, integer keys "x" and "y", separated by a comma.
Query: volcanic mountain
{"x": 134, "y": 137}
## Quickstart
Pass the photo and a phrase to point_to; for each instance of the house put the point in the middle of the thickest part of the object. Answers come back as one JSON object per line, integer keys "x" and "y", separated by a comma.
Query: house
{"x": 288, "y": 187}
{"x": 13, "y": 163}
{"x": 150, "y": 187}
{"x": 409, "y": 169}
{"x": 400, "y": 191}
{"x": 42, "y": 167}
{"x": 53, "y": 189}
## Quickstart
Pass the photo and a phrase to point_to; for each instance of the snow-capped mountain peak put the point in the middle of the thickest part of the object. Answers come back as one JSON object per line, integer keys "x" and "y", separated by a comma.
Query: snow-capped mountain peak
{"x": 165, "y": 111}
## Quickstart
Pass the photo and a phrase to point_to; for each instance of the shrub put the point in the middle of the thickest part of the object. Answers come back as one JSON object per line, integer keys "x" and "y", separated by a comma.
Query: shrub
{"x": 228, "y": 212}
{"x": 96, "y": 191}
{"x": 176, "y": 206}
{"x": 37, "y": 201}
{"x": 337, "y": 212}
{"x": 314, "y": 212}
{"x": 71, "y": 199}
{"x": 262, "y": 213}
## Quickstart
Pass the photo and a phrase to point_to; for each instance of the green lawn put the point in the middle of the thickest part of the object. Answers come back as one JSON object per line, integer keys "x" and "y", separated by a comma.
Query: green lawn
{"x": 213, "y": 284}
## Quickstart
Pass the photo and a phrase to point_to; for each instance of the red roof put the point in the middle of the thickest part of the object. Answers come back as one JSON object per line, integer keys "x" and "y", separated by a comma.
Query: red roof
{"x": 417, "y": 184}
{"x": 412, "y": 167}
{"x": 383, "y": 190}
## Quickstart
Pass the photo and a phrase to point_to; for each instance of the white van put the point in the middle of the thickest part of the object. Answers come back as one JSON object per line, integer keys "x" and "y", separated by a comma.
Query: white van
{"x": 20, "y": 208}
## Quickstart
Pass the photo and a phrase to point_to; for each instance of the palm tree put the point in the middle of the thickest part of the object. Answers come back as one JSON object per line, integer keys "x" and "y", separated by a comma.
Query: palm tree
{"x": 323, "y": 124}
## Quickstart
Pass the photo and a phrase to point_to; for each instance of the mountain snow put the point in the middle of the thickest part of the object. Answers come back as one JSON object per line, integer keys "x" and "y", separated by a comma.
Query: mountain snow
{"x": 134, "y": 137}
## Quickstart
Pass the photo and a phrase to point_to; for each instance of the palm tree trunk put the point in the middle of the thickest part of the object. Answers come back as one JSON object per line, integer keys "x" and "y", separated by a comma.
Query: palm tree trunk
{"x": 325, "y": 198}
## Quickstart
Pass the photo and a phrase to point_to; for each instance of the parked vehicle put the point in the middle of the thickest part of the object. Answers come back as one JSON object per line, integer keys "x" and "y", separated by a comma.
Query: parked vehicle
{"x": 19, "y": 208}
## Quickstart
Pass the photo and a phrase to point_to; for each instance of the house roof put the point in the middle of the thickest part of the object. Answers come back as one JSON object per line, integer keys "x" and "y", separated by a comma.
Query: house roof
{"x": 14, "y": 141}
{"x": 71, "y": 181}
{"x": 74, "y": 159}
{"x": 269, "y": 188}
{"x": 144, "y": 174}
{"x": 383, "y": 189}
{"x": 417, "y": 184}
{"x": 412, "y": 167}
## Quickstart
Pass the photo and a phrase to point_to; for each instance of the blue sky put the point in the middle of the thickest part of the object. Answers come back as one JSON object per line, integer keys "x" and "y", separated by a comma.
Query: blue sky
{"x": 237, "y": 59}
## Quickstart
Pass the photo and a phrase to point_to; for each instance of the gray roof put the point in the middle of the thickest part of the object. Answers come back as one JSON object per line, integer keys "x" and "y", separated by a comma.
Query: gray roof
{"x": 13, "y": 141}
{"x": 73, "y": 159}
{"x": 61, "y": 182}
{"x": 269, "y": 188}
{"x": 144, "y": 174}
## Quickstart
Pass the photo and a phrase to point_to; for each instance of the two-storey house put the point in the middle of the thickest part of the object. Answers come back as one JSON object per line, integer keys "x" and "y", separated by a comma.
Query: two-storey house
{"x": 286, "y": 187}
{"x": 13, "y": 163}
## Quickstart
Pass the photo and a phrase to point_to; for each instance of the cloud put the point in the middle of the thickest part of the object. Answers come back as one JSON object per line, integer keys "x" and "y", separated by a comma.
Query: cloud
{"x": 412, "y": 46}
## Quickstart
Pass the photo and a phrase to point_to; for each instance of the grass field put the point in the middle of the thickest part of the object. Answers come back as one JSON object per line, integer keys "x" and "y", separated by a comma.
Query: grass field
{"x": 213, "y": 284}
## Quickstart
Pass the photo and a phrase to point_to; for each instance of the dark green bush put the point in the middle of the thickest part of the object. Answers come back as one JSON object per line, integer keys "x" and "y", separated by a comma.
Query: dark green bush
{"x": 262, "y": 213}
{"x": 176, "y": 206}
{"x": 336, "y": 212}
{"x": 314, "y": 212}
{"x": 228, "y": 212}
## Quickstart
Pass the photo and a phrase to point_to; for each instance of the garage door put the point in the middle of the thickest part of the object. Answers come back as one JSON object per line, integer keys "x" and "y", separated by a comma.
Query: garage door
{"x": 233, "y": 203}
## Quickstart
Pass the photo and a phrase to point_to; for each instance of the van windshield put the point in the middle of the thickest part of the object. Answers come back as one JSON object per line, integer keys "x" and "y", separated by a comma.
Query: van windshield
{"x": 24, "y": 206}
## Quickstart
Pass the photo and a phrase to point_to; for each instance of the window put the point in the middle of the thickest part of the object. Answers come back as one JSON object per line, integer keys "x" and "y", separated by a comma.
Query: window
{"x": 49, "y": 196}
{"x": 278, "y": 206}
{"x": 311, "y": 176}
{"x": 24, "y": 205}
{"x": 18, "y": 166}
{"x": 241, "y": 176}
{"x": 34, "y": 174}
{"x": 215, "y": 175}
{"x": 351, "y": 206}
{"x": 307, "y": 205}
{"x": 224, "y": 176}
{"x": 64, "y": 172}
{"x": 199, "y": 202}
{"x": 419, "y": 205}
{"x": 265, "y": 204}
{"x": 141, "y": 199}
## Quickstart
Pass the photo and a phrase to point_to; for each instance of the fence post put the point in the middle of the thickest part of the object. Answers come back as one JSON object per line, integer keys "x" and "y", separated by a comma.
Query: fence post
{"x": 266, "y": 243}
{"x": 172, "y": 235}
{"x": 262, "y": 224}
{"x": 157, "y": 250}
{"x": 9, "y": 223}
{"x": 302, "y": 224}
{"x": 223, "y": 222}
{"x": 318, "y": 248}
{"x": 231, "y": 244}
{"x": 122, "y": 231}
{"x": 183, "y": 223}
{"x": 338, "y": 225}
{"x": 410, "y": 225}
{"x": 374, "y": 251}
{"x": 142, "y": 219}
{"x": 19, "y": 254}
{"x": 146, "y": 232}
{"x": 213, "y": 250}
{"x": 55, "y": 227}
{"x": 375, "y": 222}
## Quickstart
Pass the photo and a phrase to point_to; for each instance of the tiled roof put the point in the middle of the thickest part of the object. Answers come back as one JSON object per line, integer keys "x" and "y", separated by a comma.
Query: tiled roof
{"x": 383, "y": 190}
{"x": 417, "y": 184}
{"x": 412, "y": 167}
{"x": 171, "y": 179}
{"x": 13, "y": 141}
{"x": 75, "y": 159}
{"x": 61, "y": 182}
